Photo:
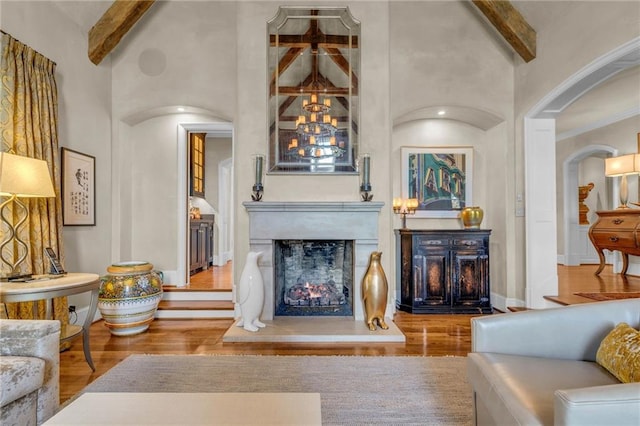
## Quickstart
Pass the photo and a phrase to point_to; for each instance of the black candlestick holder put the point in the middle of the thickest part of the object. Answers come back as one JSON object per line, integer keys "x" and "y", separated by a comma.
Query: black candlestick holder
{"x": 258, "y": 188}
{"x": 365, "y": 192}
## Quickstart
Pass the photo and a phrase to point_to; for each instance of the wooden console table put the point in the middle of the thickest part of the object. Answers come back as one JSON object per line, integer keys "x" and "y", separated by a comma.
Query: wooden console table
{"x": 616, "y": 230}
{"x": 72, "y": 283}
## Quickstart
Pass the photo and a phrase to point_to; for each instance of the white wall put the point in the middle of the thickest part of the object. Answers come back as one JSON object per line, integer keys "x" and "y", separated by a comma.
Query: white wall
{"x": 84, "y": 116}
{"x": 443, "y": 56}
{"x": 211, "y": 57}
{"x": 216, "y": 150}
{"x": 184, "y": 56}
{"x": 570, "y": 35}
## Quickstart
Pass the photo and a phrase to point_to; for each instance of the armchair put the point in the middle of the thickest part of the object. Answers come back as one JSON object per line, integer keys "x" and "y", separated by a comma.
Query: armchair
{"x": 538, "y": 367}
{"x": 29, "y": 371}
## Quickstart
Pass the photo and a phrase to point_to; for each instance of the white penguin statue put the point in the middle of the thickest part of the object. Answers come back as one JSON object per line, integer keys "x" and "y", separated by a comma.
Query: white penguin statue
{"x": 250, "y": 297}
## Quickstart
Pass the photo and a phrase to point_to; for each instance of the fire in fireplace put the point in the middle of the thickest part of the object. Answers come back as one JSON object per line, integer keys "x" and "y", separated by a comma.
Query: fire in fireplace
{"x": 313, "y": 277}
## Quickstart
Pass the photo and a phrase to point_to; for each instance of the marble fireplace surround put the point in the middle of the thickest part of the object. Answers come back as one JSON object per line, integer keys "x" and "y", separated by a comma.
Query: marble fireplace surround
{"x": 357, "y": 221}
{"x": 269, "y": 221}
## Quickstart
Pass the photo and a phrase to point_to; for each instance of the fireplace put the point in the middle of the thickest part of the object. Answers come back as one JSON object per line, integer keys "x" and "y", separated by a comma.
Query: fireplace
{"x": 313, "y": 277}
{"x": 314, "y": 227}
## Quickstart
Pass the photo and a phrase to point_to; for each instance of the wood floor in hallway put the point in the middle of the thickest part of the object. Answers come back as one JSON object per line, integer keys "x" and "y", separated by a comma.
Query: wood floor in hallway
{"x": 426, "y": 335}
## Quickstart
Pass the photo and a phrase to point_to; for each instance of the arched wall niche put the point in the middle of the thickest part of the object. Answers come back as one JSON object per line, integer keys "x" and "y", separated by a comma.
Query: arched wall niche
{"x": 149, "y": 184}
{"x": 488, "y": 134}
{"x": 479, "y": 118}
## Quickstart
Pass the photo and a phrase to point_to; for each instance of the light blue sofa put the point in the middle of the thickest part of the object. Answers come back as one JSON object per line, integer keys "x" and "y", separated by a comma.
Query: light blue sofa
{"x": 538, "y": 367}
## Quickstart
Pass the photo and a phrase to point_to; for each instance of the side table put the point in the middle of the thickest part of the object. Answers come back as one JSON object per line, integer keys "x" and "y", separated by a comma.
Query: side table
{"x": 616, "y": 230}
{"x": 47, "y": 289}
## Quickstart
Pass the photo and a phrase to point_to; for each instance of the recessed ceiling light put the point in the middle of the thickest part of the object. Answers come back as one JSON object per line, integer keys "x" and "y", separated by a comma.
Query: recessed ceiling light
{"x": 180, "y": 109}
{"x": 442, "y": 112}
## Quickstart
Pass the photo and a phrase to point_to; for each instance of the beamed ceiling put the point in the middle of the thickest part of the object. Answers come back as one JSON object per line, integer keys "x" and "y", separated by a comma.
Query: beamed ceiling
{"x": 114, "y": 24}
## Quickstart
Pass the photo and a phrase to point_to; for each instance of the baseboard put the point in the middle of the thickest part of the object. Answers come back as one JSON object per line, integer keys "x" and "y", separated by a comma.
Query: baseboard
{"x": 502, "y": 303}
{"x": 222, "y": 259}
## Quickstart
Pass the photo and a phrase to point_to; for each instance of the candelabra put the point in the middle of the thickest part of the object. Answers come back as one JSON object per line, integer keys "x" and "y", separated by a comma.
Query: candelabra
{"x": 405, "y": 207}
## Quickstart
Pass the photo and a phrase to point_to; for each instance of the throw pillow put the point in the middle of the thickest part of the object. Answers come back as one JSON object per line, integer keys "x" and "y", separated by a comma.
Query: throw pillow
{"x": 619, "y": 353}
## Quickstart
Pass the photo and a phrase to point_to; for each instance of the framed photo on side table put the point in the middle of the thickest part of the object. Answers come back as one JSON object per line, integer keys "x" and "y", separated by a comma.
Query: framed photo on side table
{"x": 78, "y": 188}
{"x": 440, "y": 178}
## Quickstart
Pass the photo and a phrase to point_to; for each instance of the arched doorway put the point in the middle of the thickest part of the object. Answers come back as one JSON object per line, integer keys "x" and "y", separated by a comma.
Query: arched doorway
{"x": 539, "y": 150}
{"x": 570, "y": 183}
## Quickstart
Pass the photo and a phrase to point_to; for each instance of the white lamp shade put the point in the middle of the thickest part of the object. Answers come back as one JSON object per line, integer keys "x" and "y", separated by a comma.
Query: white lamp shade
{"x": 24, "y": 176}
{"x": 623, "y": 165}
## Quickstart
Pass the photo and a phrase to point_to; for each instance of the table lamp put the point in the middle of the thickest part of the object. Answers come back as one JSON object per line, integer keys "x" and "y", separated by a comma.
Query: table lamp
{"x": 622, "y": 166}
{"x": 20, "y": 177}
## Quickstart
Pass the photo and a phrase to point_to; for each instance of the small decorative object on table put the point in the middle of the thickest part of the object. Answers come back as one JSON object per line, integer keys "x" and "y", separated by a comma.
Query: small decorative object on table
{"x": 129, "y": 296}
{"x": 251, "y": 294}
{"x": 374, "y": 292}
{"x": 471, "y": 217}
{"x": 583, "y": 193}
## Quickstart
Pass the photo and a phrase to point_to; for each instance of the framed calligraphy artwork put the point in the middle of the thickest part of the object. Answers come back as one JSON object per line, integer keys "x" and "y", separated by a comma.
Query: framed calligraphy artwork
{"x": 78, "y": 188}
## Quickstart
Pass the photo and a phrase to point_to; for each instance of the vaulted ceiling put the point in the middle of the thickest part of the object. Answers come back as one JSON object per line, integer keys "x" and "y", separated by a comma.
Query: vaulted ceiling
{"x": 515, "y": 24}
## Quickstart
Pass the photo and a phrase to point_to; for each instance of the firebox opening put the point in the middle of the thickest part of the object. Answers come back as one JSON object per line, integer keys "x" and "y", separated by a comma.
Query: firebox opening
{"x": 313, "y": 277}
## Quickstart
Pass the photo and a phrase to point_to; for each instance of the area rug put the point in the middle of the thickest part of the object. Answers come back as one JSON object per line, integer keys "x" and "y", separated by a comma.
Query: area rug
{"x": 353, "y": 389}
{"x": 609, "y": 296}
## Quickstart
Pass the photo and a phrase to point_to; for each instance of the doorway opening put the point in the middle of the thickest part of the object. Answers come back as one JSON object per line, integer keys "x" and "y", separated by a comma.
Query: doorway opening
{"x": 211, "y": 209}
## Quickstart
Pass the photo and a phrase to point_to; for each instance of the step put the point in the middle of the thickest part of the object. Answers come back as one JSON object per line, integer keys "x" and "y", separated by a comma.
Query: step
{"x": 176, "y": 294}
{"x": 517, "y": 308}
{"x": 195, "y": 309}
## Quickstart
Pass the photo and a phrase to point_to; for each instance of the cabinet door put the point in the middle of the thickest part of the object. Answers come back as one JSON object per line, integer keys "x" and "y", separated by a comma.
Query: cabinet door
{"x": 194, "y": 244}
{"x": 202, "y": 246}
{"x": 431, "y": 278}
{"x": 470, "y": 279}
{"x": 430, "y": 271}
{"x": 209, "y": 244}
{"x": 196, "y": 166}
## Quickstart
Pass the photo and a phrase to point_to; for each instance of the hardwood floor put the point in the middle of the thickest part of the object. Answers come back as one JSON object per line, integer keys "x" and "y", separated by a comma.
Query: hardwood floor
{"x": 214, "y": 278}
{"x": 426, "y": 335}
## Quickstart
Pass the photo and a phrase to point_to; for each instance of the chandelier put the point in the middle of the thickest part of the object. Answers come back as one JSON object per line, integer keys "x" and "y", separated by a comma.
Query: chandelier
{"x": 316, "y": 131}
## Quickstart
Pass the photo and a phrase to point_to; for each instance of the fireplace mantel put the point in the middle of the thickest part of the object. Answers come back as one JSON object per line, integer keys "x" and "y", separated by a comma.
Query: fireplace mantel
{"x": 269, "y": 221}
{"x": 313, "y": 206}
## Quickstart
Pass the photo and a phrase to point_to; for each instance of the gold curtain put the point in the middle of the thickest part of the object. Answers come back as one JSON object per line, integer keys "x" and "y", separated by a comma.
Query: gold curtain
{"x": 29, "y": 126}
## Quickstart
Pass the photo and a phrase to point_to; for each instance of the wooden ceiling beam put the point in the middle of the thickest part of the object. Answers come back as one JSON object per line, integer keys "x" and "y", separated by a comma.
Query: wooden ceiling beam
{"x": 511, "y": 25}
{"x": 286, "y": 61}
{"x": 338, "y": 58}
{"x": 323, "y": 40}
{"x": 121, "y": 16}
{"x": 295, "y": 91}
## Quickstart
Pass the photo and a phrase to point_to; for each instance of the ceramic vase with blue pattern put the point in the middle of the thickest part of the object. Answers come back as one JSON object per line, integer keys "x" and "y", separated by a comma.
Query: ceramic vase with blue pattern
{"x": 129, "y": 297}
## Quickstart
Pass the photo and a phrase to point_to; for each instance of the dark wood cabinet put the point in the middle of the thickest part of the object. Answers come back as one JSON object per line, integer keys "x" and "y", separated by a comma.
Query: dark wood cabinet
{"x": 201, "y": 244}
{"x": 445, "y": 271}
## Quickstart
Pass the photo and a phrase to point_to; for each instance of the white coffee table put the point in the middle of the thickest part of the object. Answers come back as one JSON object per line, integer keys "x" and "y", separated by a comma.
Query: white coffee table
{"x": 121, "y": 408}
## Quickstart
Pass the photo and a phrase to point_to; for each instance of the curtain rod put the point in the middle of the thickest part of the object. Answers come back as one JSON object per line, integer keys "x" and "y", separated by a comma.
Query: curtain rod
{"x": 4, "y": 32}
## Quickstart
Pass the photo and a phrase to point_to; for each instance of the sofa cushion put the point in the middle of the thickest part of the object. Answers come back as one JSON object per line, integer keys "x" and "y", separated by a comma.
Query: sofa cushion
{"x": 520, "y": 390}
{"x": 19, "y": 376}
{"x": 619, "y": 353}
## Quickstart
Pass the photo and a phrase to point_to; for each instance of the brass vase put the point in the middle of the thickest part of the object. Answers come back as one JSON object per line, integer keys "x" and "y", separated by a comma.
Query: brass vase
{"x": 472, "y": 217}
